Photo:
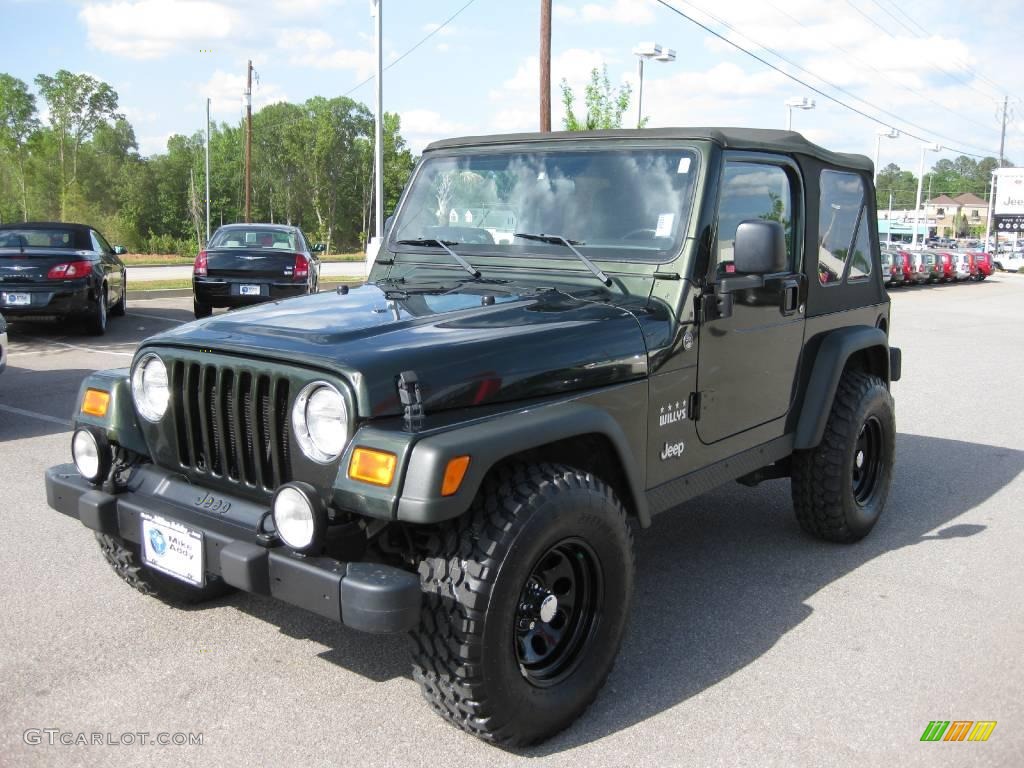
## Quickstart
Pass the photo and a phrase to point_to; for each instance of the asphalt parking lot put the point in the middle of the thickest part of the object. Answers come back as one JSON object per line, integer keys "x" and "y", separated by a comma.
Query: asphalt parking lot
{"x": 749, "y": 643}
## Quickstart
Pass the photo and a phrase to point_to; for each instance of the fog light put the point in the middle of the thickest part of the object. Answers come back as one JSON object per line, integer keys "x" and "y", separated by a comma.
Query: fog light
{"x": 299, "y": 516}
{"x": 91, "y": 454}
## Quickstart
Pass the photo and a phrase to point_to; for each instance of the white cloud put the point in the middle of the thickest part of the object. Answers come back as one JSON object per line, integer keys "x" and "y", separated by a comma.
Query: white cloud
{"x": 422, "y": 126}
{"x": 617, "y": 12}
{"x": 308, "y": 47}
{"x": 303, "y": 7}
{"x": 153, "y": 144}
{"x": 150, "y": 29}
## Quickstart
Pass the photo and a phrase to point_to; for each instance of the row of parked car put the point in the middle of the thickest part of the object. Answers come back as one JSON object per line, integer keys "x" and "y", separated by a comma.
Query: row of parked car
{"x": 914, "y": 267}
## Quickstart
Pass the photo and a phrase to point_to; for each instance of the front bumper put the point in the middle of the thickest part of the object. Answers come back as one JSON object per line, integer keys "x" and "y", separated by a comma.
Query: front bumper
{"x": 68, "y": 298}
{"x": 366, "y": 596}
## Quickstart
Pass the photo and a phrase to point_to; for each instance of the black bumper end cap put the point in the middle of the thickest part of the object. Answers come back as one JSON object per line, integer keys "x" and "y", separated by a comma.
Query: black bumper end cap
{"x": 98, "y": 510}
{"x": 380, "y": 599}
{"x": 246, "y": 567}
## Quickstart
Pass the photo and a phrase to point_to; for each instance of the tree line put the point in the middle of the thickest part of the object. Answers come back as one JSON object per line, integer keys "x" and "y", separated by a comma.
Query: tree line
{"x": 312, "y": 166}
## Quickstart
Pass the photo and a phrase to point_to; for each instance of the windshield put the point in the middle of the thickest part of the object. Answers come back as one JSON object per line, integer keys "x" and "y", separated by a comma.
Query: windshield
{"x": 255, "y": 237}
{"x": 630, "y": 204}
{"x": 40, "y": 238}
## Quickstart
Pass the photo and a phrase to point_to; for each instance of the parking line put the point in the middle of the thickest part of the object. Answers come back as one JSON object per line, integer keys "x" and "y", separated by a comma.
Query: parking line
{"x": 34, "y": 415}
{"x": 157, "y": 317}
{"x": 79, "y": 347}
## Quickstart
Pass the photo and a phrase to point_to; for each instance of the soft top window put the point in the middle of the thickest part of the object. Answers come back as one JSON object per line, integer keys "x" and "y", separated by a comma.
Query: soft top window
{"x": 32, "y": 237}
{"x": 255, "y": 237}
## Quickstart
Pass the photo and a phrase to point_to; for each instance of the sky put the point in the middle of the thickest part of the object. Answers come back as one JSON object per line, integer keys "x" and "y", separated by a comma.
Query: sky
{"x": 936, "y": 69}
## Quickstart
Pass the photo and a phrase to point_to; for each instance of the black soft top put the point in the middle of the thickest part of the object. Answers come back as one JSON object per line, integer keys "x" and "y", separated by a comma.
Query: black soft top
{"x": 762, "y": 139}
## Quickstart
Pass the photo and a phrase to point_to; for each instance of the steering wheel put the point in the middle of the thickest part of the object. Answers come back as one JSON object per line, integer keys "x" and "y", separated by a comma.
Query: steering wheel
{"x": 640, "y": 234}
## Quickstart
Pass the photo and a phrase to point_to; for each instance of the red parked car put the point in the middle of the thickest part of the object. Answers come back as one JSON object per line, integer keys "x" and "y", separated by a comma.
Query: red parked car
{"x": 983, "y": 262}
{"x": 947, "y": 267}
{"x": 907, "y": 265}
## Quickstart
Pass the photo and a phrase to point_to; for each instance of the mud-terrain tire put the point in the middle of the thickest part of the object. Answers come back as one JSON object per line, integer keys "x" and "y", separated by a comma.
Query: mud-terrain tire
{"x": 840, "y": 487}
{"x": 124, "y": 557}
{"x": 527, "y": 597}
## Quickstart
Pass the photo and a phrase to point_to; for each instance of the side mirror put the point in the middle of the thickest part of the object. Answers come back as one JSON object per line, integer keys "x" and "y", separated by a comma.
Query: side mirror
{"x": 319, "y": 247}
{"x": 760, "y": 247}
{"x": 120, "y": 250}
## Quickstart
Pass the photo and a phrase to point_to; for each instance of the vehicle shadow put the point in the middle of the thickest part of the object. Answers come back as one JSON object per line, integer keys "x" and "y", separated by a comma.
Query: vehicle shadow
{"x": 719, "y": 582}
{"x": 34, "y": 403}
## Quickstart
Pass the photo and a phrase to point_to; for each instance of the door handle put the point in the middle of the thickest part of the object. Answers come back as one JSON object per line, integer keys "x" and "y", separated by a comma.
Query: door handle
{"x": 790, "y": 296}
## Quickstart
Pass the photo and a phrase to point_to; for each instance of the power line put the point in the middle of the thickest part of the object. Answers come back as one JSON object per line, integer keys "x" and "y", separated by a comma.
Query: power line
{"x": 356, "y": 87}
{"x": 880, "y": 73}
{"x": 807, "y": 85}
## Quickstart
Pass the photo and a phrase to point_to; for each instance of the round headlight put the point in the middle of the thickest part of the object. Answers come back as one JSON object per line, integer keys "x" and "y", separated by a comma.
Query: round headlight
{"x": 91, "y": 455}
{"x": 320, "y": 417}
{"x": 149, "y": 387}
{"x": 296, "y": 516}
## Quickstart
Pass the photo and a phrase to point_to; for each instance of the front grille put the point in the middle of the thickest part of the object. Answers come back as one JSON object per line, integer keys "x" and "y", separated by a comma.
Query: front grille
{"x": 231, "y": 424}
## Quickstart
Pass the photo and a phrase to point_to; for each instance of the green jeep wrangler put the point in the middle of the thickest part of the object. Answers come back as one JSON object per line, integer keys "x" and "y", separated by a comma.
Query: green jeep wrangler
{"x": 563, "y": 335}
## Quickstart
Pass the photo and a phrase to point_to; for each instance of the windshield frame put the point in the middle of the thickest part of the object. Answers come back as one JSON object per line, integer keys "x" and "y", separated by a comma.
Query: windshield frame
{"x": 530, "y": 252}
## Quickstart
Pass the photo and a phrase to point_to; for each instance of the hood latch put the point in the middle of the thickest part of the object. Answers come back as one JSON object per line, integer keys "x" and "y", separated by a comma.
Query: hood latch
{"x": 412, "y": 400}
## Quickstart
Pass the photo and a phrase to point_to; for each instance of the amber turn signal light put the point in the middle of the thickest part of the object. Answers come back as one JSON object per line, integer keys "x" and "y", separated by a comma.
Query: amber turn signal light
{"x": 454, "y": 474}
{"x": 95, "y": 402}
{"x": 372, "y": 466}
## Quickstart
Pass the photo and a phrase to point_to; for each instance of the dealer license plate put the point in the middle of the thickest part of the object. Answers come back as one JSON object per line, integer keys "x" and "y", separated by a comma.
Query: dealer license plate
{"x": 17, "y": 299}
{"x": 172, "y": 548}
{"x": 250, "y": 290}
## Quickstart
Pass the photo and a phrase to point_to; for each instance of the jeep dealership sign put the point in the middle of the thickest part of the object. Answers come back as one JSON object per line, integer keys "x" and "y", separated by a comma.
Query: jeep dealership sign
{"x": 1009, "y": 192}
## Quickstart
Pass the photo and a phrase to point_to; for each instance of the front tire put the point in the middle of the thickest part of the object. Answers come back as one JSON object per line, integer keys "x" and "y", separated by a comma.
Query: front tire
{"x": 840, "y": 487}
{"x": 124, "y": 557}
{"x": 526, "y": 604}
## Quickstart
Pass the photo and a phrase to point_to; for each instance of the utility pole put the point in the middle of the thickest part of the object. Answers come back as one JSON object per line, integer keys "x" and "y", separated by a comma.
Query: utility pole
{"x": 545, "y": 65}
{"x": 248, "y": 142}
{"x": 207, "y": 170}
{"x": 991, "y": 205}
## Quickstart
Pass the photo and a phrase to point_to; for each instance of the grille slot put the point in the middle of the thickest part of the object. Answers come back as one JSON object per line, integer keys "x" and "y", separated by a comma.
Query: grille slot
{"x": 231, "y": 424}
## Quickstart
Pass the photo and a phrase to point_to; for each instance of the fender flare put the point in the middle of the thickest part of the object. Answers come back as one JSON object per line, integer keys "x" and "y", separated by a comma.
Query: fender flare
{"x": 489, "y": 442}
{"x": 834, "y": 351}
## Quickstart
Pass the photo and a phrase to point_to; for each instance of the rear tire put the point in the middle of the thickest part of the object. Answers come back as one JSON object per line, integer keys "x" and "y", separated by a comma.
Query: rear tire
{"x": 119, "y": 309}
{"x": 123, "y": 556}
{"x": 97, "y": 319}
{"x": 840, "y": 487}
{"x": 527, "y": 599}
{"x": 201, "y": 310}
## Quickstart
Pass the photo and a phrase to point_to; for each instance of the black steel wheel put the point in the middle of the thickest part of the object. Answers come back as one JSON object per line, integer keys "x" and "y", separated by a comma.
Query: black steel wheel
{"x": 840, "y": 487}
{"x": 558, "y": 611}
{"x": 526, "y": 601}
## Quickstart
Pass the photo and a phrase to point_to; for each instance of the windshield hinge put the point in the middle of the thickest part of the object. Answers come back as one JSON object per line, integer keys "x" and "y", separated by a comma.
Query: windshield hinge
{"x": 412, "y": 400}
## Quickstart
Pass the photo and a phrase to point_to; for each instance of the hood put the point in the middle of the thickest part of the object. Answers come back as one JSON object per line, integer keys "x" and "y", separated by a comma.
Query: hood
{"x": 469, "y": 346}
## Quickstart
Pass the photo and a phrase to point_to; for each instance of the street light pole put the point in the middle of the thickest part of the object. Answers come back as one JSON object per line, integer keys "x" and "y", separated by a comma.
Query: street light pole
{"x": 207, "y": 170}
{"x": 920, "y": 182}
{"x": 648, "y": 51}
{"x": 378, "y": 146}
{"x": 892, "y": 133}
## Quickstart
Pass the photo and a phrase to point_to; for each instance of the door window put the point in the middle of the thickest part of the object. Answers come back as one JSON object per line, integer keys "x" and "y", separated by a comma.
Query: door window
{"x": 752, "y": 191}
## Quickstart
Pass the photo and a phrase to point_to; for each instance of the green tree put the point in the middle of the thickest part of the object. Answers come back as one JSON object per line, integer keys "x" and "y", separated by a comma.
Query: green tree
{"x": 18, "y": 123}
{"x": 78, "y": 104}
{"x": 902, "y": 184}
{"x": 604, "y": 105}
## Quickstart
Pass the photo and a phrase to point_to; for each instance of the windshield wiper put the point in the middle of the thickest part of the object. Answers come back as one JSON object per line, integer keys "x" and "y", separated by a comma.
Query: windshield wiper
{"x": 430, "y": 242}
{"x": 571, "y": 245}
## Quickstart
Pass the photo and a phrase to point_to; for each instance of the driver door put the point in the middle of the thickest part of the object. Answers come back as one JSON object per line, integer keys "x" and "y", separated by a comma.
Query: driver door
{"x": 748, "y": 359}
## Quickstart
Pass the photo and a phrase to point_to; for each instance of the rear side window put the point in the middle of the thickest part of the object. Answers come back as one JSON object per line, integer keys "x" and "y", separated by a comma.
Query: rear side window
{"x": 843, "y": 239}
